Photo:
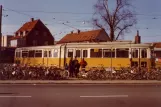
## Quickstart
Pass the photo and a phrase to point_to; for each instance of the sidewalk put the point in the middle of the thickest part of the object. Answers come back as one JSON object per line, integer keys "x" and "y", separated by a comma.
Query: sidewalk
{"x": 80, "y": 82}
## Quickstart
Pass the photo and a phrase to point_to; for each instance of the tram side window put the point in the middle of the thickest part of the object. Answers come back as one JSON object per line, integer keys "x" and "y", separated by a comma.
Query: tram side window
{"x": 70, "y": 53}
{"x": 50, "y": 54}
{"x": 55, "y": 54}
{"x": 78, "y": 53}
{"x": 134, "y": 64}
{"x": 24, "y": 53}
{"x": 143, "y": 64}
{"x": 38, "y": 53}
{"x": 96, "y": 53}
{"x": 122, "y": 53}
{"x": 31, "y": 53}
{"x": 108, "y": 53}
{"x": 135, "y": 53}
{"x": 144, "y": 53}
{"x": 85, "y": 53}
{"x": 18, "y": 54}
{"x": 45, "y": 53}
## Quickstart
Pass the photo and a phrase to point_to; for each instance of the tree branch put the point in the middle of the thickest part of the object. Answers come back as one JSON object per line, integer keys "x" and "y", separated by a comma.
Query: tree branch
{"x": 122, "y": 29}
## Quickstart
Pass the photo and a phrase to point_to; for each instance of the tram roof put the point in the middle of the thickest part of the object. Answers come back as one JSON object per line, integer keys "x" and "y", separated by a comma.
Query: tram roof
{"x": 119, "y": 44}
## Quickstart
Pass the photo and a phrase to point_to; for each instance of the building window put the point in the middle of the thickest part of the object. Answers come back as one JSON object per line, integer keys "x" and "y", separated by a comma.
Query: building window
{"x": 26, "y": 32}
{"x": 45, "y": 33}
{"x": 55, "y": 54}
{"x": 135, "y": 53}
{"x": 122, "y": 53}
{"x": 31, "y": 53}
{"x": 34, "y": 42}
{"x": 38, "y": 53}
{"x": 46, "y": 43}
{"x": 78, "y": 53}
{"x": 144, "y": 53}
{"x": 85, "y": 53}
{"x": 36, "y": 32}
{"x": 108, "y": 53}
{"x": 24, "y": 53}
{"x": 13, "y": 43}
{"x": 21, "y": 33}
{"x": 16, "y": 34}
{"x": 70, "y": 53}
{"x": 157, "y": 54}
{"x": 96, "y": 53}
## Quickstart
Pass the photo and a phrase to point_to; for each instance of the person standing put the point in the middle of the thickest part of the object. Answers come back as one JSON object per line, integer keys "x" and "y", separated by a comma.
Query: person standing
{"x": 71, "y": 67}
{"x": 83, "y": 64}
{"x": 76, "y": 66}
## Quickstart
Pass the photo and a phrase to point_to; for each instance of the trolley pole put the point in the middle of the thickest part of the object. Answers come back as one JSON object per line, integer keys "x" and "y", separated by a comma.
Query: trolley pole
{"x": 0, "y": 30}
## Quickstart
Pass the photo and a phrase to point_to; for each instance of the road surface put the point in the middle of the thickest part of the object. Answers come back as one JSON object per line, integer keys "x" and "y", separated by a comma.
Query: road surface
{"x": 68, "y": 95}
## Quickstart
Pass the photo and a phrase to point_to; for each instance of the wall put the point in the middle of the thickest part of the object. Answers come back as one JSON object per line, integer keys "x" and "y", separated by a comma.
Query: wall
{"x": 40, "y": 37}
{"x": 103, "y": 36}
{"x": 5, "y": 41}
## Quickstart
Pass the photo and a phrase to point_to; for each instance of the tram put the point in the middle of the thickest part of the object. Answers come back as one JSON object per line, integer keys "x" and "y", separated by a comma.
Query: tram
{"x": 107, "y": 54}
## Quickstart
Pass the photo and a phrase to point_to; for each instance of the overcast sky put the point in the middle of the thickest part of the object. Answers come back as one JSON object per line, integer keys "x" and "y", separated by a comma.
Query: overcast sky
{"x": 54, "y": 12}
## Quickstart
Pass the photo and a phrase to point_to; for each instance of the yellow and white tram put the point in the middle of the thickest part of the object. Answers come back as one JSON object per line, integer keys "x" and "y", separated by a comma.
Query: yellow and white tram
{"x": 108, "y": 54}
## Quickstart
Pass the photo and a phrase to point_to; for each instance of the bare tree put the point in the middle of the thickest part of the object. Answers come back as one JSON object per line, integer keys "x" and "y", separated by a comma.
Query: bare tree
{"x": 116, "y": 21}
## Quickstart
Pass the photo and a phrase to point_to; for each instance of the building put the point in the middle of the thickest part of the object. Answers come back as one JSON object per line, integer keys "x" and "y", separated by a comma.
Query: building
{"x": 88, "y": 36}
{"x": 5, "y": 40}
{"x": 7, "y": 52}
{"x": 32, "y": 33}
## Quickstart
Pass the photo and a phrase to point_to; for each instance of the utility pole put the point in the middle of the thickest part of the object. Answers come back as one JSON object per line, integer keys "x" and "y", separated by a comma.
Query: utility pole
{"x": 0, "y": 30}
{"x": 111, "y": 63}
{"x": 139, "y": 60}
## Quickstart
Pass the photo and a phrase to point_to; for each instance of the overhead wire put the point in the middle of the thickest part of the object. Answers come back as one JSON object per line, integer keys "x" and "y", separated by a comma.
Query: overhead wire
{"x": 57, "y": 12}
{"x": 155, "y": 17}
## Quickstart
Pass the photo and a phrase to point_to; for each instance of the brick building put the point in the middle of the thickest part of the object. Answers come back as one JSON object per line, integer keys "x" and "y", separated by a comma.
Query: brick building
{"x": 33, "y": 33}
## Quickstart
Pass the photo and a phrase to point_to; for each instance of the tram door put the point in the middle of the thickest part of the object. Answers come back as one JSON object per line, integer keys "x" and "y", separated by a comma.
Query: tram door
{"x": 45, "y": 57}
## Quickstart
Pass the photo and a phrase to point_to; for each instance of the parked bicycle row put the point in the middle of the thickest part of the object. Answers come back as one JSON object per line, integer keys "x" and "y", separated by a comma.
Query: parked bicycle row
{"x": 18, "y": 72}
{"x": 122, "y": 74}
{"x": 14, "y": 72}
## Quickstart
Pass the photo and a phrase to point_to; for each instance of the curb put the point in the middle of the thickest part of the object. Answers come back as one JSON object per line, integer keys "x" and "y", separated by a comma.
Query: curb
{"x": 80, "y": 82}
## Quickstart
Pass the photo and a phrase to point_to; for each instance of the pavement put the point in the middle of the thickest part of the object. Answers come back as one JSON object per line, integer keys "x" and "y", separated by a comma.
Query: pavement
{"x": 79, "y": 95}
{"x": 76, "y": 81}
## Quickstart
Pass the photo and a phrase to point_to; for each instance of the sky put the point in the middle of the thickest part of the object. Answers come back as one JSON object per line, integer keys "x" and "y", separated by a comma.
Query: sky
{"x": 55, "y": 12}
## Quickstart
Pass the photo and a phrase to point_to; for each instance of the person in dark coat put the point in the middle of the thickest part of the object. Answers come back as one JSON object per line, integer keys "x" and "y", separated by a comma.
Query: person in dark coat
{"x": 71, "y": 67}
{"x": 76, "y": 66}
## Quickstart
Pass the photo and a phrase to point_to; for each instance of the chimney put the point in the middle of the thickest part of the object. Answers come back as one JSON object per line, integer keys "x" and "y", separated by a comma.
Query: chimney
{"x": 32, "y": 19}
{"x": 137, "y": 38}
{"x": 78, "y": 31}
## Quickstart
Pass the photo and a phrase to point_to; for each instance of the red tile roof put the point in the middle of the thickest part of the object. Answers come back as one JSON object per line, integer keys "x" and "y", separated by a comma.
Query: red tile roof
{"x": 28, "y": 26}
{"x": 157, "y": 44}
{"x": 80, "y": 37}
